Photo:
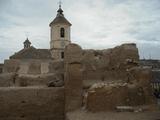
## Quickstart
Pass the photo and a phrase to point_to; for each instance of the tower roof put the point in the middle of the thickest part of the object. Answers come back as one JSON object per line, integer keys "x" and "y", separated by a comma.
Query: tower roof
{"x": 60, "y": 18}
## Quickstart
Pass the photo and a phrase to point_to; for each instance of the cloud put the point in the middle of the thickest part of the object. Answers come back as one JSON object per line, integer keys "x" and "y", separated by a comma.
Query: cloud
{"x": 97, "y": 24}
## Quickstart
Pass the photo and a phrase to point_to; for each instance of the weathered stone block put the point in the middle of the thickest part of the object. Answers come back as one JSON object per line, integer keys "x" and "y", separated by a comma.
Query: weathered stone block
{"x": 73, "y": 53}
{"x": 73, "y": 77}
{"x": 73, "y": 87}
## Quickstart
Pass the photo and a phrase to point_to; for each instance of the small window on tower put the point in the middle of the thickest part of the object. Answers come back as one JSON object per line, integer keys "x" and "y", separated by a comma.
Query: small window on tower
{"x": 62, "y": 32}
{"x": 62, "y": 55}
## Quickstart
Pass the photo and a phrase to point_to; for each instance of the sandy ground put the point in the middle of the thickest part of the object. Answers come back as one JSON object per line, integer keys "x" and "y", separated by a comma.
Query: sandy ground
{"x": 81, "y": 115}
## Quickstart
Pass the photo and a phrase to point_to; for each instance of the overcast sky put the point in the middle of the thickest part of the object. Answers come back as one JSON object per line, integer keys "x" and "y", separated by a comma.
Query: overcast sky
{"x": 96, "y": 24}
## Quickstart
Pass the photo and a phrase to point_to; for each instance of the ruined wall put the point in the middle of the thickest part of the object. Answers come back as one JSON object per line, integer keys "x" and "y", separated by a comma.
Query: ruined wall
{"x": 102, "y": 80}
{"x": 109, "y": 64}
{"x": 32, "y": 90}
{"x": 34, "y": 103}
{"x": 124, "y": 82}
{"x": 98, "y": 65}
{"x": 135, "y": 92}
{"x": 1, "y": 68}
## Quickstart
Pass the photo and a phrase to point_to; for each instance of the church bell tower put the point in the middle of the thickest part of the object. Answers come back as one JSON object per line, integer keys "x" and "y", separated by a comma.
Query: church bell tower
{"x": 60, "y": 34}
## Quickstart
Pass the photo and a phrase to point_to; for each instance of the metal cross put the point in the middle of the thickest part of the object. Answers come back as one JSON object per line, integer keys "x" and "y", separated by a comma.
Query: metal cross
{"x": 60, "y": 3}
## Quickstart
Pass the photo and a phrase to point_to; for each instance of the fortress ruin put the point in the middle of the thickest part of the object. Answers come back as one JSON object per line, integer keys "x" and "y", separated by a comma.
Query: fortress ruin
{"x": 50, "y": 84}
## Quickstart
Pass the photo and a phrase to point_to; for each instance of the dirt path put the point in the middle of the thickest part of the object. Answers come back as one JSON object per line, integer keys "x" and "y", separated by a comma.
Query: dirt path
{"x": 81, "y": 115}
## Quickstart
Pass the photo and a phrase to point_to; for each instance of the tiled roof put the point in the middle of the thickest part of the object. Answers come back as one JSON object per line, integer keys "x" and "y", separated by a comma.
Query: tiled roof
{"x": 60, "y": 18}
{"x": 32, "y": 53}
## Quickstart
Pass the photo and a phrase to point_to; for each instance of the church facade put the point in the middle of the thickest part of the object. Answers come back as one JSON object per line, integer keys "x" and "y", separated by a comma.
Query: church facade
{"x": 59, "y": 39}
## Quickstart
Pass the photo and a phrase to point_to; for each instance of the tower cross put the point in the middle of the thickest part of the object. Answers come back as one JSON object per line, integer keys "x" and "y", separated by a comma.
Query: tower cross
{"x": 60, "y": 3}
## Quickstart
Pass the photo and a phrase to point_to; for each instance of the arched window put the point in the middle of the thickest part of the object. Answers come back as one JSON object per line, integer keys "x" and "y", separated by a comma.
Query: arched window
{"x": 62, "y": 32}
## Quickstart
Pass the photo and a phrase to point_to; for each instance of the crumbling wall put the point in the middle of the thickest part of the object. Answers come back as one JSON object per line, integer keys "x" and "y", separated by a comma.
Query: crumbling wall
{"x": 105, "y": 97}
{"x": 109, "y": 64}
{"x": 32, "y": 90}
{"x": 142, "y": 77}
{"x": 124, "y": 83}
{"x": 36, "y": 103}
{"x": 1, "y": 68}
{"x": 135, "y": 92}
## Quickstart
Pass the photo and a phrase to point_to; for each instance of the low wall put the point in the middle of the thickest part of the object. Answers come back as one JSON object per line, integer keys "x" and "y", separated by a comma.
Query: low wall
{"x": 31, "y": 103}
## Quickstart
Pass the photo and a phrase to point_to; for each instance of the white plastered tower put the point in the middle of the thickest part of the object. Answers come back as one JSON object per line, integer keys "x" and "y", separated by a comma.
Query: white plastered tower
{"x": 60, "y": 35}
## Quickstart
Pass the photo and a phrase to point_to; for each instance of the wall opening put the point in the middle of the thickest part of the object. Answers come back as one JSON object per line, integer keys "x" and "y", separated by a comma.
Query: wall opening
{"x": 62, "y": 32}
{"x": 62, "y": 55}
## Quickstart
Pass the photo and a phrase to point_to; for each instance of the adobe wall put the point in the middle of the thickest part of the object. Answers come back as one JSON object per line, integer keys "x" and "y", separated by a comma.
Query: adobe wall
{"x": 1, "y": 68}
{"x": 31, "y": 103}
{"x": 79, "y": 72}
{"x": 103, "y": 80}
{"x": 110, "y": 64}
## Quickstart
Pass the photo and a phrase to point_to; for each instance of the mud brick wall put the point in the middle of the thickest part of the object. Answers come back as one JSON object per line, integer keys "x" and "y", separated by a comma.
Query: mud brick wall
{"x": 109, "y": 64}
{"x": 31, "y": 103}
{"x": 1, "y": 68}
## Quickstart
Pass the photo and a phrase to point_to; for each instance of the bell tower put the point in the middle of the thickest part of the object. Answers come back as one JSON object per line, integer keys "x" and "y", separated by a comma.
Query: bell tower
{"x": 59, "y": 34}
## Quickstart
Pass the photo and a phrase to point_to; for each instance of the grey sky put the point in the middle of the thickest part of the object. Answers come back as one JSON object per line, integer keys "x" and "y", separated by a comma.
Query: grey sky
{"x": 96, "y": 24}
